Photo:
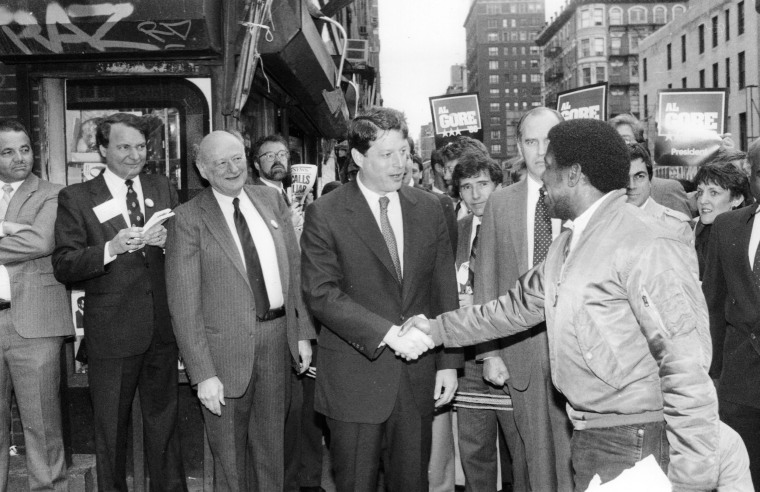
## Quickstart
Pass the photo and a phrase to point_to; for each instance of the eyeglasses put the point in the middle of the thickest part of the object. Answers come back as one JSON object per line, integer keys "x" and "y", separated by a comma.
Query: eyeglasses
{"x": 270, "y": 156}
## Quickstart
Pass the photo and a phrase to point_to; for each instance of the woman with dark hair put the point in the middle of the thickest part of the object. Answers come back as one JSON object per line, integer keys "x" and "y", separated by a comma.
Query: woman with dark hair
{"x": 720, "y": 187}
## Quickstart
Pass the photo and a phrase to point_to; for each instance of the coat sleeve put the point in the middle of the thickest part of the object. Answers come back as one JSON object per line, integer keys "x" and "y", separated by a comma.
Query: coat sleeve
{"x": 666, "y": 299}
{"x": 486, "y": 285}
{"x": 39, "y": 240}
{"x": 183, "y": 276}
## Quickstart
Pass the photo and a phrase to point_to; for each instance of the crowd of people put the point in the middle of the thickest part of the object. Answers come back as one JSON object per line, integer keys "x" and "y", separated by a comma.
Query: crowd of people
{"x": 590, "y": 313}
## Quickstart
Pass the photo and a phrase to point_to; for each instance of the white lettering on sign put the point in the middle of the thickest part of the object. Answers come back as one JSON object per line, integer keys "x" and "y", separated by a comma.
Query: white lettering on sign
{"x": 576, "y": 113}
{"x": 465, "y": 118}
{"x": 684, "y": 122}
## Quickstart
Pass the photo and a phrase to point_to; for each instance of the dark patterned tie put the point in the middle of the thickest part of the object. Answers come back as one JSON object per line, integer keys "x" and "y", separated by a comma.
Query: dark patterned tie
{"x": 542, "y": 229}
{"x": 390, "y": 238}
{"x": 136, "y": 218}
{"x": 252, "y": 262}
{"x": 473, "y": 256}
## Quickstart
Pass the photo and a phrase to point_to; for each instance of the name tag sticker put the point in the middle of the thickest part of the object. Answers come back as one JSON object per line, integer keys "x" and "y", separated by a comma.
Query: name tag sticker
{"x": 107, "y": 210}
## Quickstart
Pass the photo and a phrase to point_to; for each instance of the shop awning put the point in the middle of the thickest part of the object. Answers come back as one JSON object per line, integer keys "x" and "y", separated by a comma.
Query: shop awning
{"x": 37, "y": 30}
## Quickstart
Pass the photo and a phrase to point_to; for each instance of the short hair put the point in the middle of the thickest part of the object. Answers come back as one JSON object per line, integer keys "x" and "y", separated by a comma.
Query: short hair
{"x": 103, "y": 132}
{"x": 727, "y": 176}
{"x": 332, "y": 185}
{"x": 367, "y": 127}
{"x": 13, "y": 125}
{"x": 638, "y": 151}
{"x": 517, "y": 170}
{"x": 267, "y": 139}
{"x": 633, "y": 122}
{"x": 410, "y": 141}
{"x": 753, "y": 153}
{"x": 533, "y": 111}
{"x": 417, "y": 160}
{"x": 730, "y": 156}
{"x": 461, "y": 144}
{"x": 473, "y": 164}
{"x": 436, "y": 158}
{"x": 597, "y": 147}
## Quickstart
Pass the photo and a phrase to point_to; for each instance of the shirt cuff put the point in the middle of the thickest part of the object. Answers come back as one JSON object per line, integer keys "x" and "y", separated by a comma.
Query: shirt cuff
{"x": 107, "y": 258}
{"x": 2, "y": 228}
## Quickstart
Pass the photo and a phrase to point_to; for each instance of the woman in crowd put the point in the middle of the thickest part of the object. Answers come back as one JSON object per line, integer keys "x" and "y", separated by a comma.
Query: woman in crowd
{"x": 720, "y": 187}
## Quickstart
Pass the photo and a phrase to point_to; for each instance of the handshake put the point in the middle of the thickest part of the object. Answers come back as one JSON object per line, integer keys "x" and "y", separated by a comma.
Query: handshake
{"x": 412, "y": 339}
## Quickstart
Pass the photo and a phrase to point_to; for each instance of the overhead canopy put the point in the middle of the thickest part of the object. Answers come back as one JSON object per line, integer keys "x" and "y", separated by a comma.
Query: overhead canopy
{"x": 35, "y": 30}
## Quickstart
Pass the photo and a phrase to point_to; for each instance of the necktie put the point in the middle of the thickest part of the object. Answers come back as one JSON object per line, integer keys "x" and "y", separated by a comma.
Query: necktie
{"x": 133, "y": 206}
{"x": 6, "y": 200}
{"x": 473, "y": 256}
{"x": 285, "y": 197}
{"x": 252, "y": 262}
{"x": 390, "y": 239}
{"x": 542, "y": 229}
{"x": 756, "y": 268}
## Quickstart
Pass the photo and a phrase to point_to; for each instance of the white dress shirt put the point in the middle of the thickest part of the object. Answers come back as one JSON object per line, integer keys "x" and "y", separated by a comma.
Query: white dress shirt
{"x": 5, "y": 279}
{"x": 533, "y": 196}
{"x": 394, "y": 215}
{"x": 754, "y": 239}
{"x": 262, "y": 239}
{"x": 118, "y": 188}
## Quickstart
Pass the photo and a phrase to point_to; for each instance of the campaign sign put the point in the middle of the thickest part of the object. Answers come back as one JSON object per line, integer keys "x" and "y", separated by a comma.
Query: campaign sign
{"x": 689, "y": 126}
{"x": 585, "y": 102}
{"x": 456, "y": 114}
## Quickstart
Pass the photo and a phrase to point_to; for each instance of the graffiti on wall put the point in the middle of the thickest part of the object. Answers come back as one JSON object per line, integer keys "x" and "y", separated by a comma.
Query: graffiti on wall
{"x": 92, "y": 25}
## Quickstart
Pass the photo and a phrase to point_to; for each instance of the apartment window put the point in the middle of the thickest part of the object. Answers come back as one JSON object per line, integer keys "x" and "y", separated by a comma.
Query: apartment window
{"x": 637, "y": 15}
{"x": 523, "y": 78}
{"x": 678, "y": 10}
{"x": 515, "y": 79}
{"x": 493, "y": 9}
{"x": 492, "y": 23}
{"x": 493, "y": 79}
{"x": 740, "y": 18}
{"x": 742, "y": 130}
{"x": 496, "y": 149}
{"x": 701, "y": 31}
{"x": 493, "y": 51}
{"x": 495, "y": 134}
{"x": 523, "y": 36}
{"x": 670, "y": 86}
{"x": 646, "y": 106}
{"x": 702, "y": 79}
{"x": 669, "y": 54}
{"x": 683, "y": 83}
{"x": 585, "y": 47}
{"x": 599, "y": 46}
{"x": 728, "y": 73}
{"x": 727, "y": 24}
{"x": 660, "y": 15}
{"x": 616, "y": 16}
{"x": 534, "y": 50}
{"x": 492, "y": 37}
{"x": 715, "y": 82}
{"x": 494, "y": 107}
{"x": 513, "y": 23}
{"x": 495, "y": 120}
{"x": 683, "y": 48}
{"x": 534, "y": 64}
{"x": 524, "y": 63}
{"x": 615, "y": 45}
{"x": 586, "y": 76}
{"x": 634, "y": 64}
{"x": 600, "y": 77}
{"x": 586, "y": 18}
{"x": 598, "y": 17}
{"x": 715, "y": 32}
{"x": 493, "y": 92}
{"x": 535, "y": 77}
{"x": 493, "y": 65}
{"x": 742, "y": 80}
{"x": 523, "y": 51}
{"x": 507, "y": 105}
{"x": 645, "y": 70}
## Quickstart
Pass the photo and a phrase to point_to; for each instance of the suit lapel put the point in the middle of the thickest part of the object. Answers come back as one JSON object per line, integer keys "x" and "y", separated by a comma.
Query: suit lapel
{"x": 744, "y": 237}
{"x": 519, "y": 210}
{"x": 99, "y": 195}
{"x": 413, "y": 224}
{"x": 214, "y": 219}
{"x": 22, "y": 194}
{"x": 149, "y": 191}
{"x": 279, "y": 241}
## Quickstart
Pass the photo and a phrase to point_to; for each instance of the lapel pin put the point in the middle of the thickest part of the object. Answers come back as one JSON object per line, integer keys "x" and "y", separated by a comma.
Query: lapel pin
{"x": 148, "y": 202}
{"x": 274, "y": 224}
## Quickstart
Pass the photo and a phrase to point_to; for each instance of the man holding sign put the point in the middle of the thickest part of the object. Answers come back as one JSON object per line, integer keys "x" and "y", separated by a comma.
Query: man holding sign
{"x": 101, "y": 242}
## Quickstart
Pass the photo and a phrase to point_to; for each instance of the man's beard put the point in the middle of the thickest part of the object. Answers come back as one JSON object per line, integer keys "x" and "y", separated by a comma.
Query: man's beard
{"x": 277, "y": 172}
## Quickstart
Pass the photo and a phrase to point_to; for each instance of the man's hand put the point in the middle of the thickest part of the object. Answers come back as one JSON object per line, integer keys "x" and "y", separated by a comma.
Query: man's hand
{"x": 410, "y": 346}
{"x": 296, "y": 213}
{"x": 420, "y": 322}
{"x": 304, "y": 352}
{"x": 465, "y": 300}
{"x": 127, "y": 240}
{"x": 445, "y": 386}
{"x": 156, "y": 236}
{"x": 211, "y": 394}
{"x": 11, "y": 228}
{"x": 495, "y": 371}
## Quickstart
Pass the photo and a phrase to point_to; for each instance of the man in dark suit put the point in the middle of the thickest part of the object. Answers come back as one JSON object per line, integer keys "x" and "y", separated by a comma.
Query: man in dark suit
{"x": 34, "y": 314}
{"x": 238, "y": 314}
{"x": 731, "y": 284}
{"x": 101, "y": 244}
{"x": 375, "y": 252}
{"x": 515, "y": 235}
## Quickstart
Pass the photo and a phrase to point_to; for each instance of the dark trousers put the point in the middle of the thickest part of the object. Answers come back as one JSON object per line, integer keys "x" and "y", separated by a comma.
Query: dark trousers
{"x": 113, "y": 383}
{"x": 402, "y": 442}
{"x": 31, "y": 367}
{"x": 247, "y": 439}
{"x": 312, "y": 431}
{"x": 611, "y": 450}
{"x": 293, "y": 443}
{"x": 746, "y": 422}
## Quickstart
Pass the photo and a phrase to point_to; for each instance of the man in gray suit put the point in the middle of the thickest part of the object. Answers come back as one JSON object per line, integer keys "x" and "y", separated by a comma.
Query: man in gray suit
{"x": 236, "y": 307}
{"x": 515, "y": 235}
{"x": 34, "y": 314}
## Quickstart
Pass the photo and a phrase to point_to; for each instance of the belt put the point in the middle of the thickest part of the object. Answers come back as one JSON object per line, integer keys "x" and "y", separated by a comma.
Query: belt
{"x": 4, "y": 304}
{"x": 268, "y": 316}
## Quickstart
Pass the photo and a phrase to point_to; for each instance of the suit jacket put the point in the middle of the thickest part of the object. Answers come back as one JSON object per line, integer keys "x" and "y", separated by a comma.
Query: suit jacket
{"x": 40, "y": 304}
{"x": 732, "y": 295}
{"x": 126, "y": 299}
{"x": 350, "y": 285}
{"x": 502, "y": 258}
{"x": 670, "y": 193}
{"x": 211, "y": 301}
{"x": 463, "y": 244}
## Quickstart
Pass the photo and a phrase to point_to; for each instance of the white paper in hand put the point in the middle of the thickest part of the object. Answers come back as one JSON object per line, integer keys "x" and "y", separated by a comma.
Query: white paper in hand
{"x": 158, "y": 218}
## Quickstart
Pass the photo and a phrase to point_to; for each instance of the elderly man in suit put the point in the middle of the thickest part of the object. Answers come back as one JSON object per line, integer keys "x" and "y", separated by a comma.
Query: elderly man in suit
{"x": 238, "y": 314}
{"x": 375, "y": 252}
{"x": 515, "y": 234}
{"x": 102, "y": 246}
{"x": 34, "y": 314}
{"x": 731, "y": 284}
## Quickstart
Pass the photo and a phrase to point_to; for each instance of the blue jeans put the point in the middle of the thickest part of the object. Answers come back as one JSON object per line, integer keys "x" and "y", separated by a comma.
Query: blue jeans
{"x": 611, "y": 450}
